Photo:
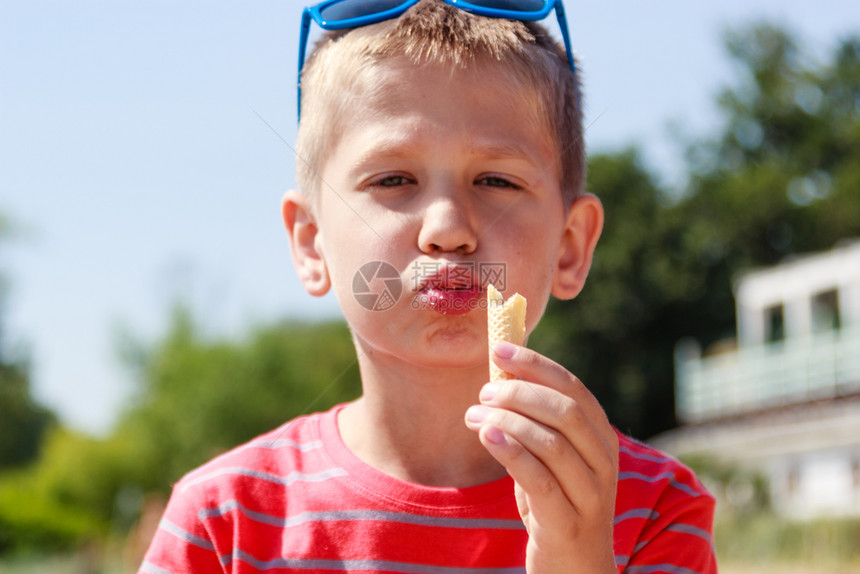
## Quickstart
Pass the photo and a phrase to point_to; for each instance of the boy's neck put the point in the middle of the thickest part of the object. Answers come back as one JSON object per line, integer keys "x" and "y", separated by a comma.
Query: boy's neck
{"x": 410, "y": 424}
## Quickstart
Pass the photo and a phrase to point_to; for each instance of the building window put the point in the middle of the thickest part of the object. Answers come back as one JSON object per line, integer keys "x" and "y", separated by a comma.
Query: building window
{"x": 825, "y": 312}
{"x": 775, "y": 323}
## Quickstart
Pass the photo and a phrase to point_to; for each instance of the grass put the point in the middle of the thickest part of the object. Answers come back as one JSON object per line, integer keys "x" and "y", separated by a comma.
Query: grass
{"x": 787, "y": 568}
{"x": 56, "y": 565}
{"x": 765, "y": 544}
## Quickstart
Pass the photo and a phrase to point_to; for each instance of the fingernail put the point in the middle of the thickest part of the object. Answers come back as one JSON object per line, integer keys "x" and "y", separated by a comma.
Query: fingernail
{"x": 476, "y": 414}
{"x": 504, "y": 350}
{"x": 488, "y": 392}
{"x": 494, "y": 435}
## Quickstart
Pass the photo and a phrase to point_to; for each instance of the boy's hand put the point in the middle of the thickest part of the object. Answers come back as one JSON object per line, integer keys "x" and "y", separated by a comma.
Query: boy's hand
{"x": 554, "y": 439}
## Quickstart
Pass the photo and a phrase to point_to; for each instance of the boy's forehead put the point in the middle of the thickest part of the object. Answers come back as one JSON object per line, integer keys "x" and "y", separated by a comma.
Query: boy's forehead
{"x": 399, "y": 88}
{"x": 498, "y": 116}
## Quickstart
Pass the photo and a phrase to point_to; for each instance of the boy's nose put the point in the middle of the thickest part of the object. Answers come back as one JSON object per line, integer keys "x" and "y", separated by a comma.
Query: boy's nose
{"x": 447, "y": 226}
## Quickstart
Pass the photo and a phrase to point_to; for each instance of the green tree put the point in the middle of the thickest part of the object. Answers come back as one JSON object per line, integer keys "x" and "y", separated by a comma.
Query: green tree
{"x": 197, "y": 398}
{"x": 200, "y": 397}
{"x": 782, "y": 177}
{"x": 23, "y": 422}
{"x": 779, "y": 178}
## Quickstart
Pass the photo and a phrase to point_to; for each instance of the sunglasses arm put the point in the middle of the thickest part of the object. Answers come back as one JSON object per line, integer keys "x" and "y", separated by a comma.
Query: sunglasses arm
{"x": 303, "y": 44}
{"x": 562, "y": 25}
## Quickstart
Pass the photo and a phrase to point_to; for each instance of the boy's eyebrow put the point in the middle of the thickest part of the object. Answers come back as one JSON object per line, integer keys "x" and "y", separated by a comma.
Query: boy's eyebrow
{"x": 507, "y": 150}
{"x": 389, "y": 148}
{"x": 395, "y": 148}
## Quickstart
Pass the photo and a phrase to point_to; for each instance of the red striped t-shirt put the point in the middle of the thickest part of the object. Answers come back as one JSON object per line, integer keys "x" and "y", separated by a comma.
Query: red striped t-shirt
{"x": 297, "y": 500}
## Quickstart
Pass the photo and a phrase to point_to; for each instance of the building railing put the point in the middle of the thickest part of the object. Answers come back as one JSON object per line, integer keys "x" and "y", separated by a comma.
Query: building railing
{"x": 820, "y": 366}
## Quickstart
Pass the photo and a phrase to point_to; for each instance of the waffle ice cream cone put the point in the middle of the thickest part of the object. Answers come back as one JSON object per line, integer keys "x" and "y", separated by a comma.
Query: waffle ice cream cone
{"x": 506, "y": 321}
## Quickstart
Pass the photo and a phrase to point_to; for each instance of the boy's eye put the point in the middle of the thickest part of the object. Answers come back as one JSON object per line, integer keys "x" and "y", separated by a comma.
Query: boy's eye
{"x": 392, "y": 181}
{"x": 493, "y": 181}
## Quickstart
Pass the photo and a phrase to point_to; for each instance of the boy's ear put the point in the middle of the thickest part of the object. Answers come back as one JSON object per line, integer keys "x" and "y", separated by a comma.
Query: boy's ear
{"x": 305, "y": 243}
{"x": 584, "y": 225}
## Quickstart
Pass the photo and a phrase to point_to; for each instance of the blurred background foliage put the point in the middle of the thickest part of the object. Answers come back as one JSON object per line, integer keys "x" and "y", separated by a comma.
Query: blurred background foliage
{"x": 779, "y": 178}
{"x": 196, "y": 399}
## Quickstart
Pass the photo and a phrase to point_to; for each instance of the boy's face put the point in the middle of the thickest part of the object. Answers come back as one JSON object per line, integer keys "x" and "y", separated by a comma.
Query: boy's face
{"x": 450, "y": 179}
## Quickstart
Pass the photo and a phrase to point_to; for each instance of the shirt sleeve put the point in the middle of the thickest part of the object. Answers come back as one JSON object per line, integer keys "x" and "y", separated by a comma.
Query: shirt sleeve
{"x": 678, "y": 541}
{"x": 182, "y": 544}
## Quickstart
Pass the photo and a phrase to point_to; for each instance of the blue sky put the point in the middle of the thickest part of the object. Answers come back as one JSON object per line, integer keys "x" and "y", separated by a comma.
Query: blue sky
{"x": 137, "y": 170}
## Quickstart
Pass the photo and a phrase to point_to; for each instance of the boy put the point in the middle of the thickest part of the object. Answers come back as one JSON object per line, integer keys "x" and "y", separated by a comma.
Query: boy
{"x": 437, "y": 142}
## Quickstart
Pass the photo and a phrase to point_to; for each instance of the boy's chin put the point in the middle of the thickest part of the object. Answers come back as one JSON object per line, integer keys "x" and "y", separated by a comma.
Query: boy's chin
{"x": 441, "y": 353}
{"x": 450, "y": 355}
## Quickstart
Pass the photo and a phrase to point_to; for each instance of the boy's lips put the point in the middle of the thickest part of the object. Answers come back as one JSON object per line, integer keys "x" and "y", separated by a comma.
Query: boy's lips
{"x": 451, "y": 301}
{"x": 452, "y": 290}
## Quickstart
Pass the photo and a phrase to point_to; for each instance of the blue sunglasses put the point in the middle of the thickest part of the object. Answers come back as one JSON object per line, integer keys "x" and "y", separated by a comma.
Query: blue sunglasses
{"x": 341, "y": 14}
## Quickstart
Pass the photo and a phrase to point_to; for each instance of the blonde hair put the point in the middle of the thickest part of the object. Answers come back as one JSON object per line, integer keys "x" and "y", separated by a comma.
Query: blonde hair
{"x": 340, "y": 72}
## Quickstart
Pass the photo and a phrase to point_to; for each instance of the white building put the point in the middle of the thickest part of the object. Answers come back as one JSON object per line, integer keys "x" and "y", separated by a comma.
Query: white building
{"x": 785, "y": 400}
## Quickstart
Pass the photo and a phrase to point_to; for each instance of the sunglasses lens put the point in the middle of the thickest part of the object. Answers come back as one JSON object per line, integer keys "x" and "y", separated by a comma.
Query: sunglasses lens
{"x": 340, "y": 11}
{"x": 511, "y": 5}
